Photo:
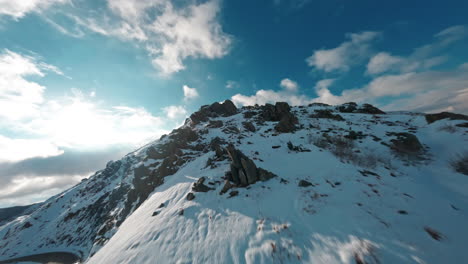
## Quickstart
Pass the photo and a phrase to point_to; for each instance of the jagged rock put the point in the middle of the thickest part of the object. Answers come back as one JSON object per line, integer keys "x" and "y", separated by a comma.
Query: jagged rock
{"x": 287, "y": 123}
{"x": 249, "y": 126}
{"x": 235, "y": 174}
{"x": 226, "y": 187}
{"x": 231, "y": 130}
{"x": 190, "y": 196}
{"x": 318, "y": 104}
{"x": 181, "y": 211}
{"x": 326, "y": 114}
{"x": 155, "y": 213}
{"x": 431, "y": 118}
{"x": 199, "y": 186}
{"x": 250, "y": 170}
{"x": 406, "y": 143}
{"x": 462, "y": 125}
{"x": 249, "y": 114}
{"x": 161, "y": 205}
{"x": 215, "y": 124}
{"x": 369, "y": 109}
{"x": 352, "y": 107}
{"x": 265, "y": 175}
{"x": 243, "y": 178}
{"x": 227, "y": 108}
{"x": 233, "y": 193}
{"x": 304, "y": 183}
{"x": 282, "y": 108}
{"x": 185, "y": 134}
{"x": 275, "y": 112}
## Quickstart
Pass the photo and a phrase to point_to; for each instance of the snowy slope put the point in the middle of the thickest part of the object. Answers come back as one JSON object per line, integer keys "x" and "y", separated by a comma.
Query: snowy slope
{"x": 367, "y": 202}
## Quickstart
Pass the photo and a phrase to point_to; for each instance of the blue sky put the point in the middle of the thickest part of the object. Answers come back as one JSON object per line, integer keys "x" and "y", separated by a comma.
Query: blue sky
{"x": 83, "y": 82}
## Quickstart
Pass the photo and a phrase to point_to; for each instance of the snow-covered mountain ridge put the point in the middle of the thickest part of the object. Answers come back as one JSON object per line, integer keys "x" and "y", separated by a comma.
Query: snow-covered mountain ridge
{"x": 269, "y": 184}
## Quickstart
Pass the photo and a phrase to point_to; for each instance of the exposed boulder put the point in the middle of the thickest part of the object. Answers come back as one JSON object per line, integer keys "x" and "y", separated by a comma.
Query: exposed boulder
{"x": 249, "y": 126}
{"x": 227, "y": 108}
{"x": 287, "y": 123}
{"x": 406, "y": 143}
{"x": 231, "y": 130}
{"x": 328, "y": 114}
{"x": 243, "y": 170}
{"x": 304, "y": 183}
{"x": 352, "y": 107}
{"x": 215, "y": 124}
{"x": 265, "y": 175}
{"x": 199, "y": 186}
{"x": 190, "y": 196}
{"x": 431, "y": 118}
{"x": 250, "y": 170}
{"x": 369, "y": 109}
{"x": 226, "y": 187}
{"x": 275, "y": 112}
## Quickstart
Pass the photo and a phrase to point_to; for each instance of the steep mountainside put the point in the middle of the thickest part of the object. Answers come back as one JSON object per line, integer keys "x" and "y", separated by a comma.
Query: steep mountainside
{"x": 269, "y": 184}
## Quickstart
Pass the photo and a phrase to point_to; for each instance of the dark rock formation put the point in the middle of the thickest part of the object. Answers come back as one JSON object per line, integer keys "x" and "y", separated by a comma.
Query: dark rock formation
{"x": 406, "y": 143}
{"x": 326, "y": 114}
{"x": 215, "y": 124}
{"x": 243, "y": 170}
{"x": 431, "y": 118}
{"x": 352, "y": 107}
{"x": 304, "y": 183}
{"x": 287, "y": 123}
{"x": 227, "y": 108}
{"x": 249, "y": 126}
{"x": 190, "y": 196}
{"x": 199, "y": 186}
{"x": 226, "y": 187}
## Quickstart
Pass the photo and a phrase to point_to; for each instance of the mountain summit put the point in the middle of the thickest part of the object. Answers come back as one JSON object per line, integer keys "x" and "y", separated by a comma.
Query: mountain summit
{"x": 267, "y": 184}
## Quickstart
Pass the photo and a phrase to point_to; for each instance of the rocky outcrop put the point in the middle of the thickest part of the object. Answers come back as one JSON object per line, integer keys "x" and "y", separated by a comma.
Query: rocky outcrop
{"x": 287, "y": 123}
{"x": 431, "y": 118}
{"x": 275, "y": 112}
{"x": 352, "y": 107}
{"x": 227, "y": 108}
{"x": 199, "y": 186}
{"x": 328, "y": 114}
{"x": 281, "y": 112}
{"x": 243, "y": 170}
{"x": 249, "y": 126}
{"x": 406, "y": 143}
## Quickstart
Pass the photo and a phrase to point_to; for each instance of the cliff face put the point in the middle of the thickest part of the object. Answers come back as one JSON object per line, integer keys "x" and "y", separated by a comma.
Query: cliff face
{"x": 267, "y": 184}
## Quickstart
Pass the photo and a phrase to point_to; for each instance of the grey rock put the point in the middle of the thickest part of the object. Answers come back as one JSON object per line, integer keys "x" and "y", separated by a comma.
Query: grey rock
{"x": 190, "y": 196}
{"x": 250, "y": 170}
{"x": 249, "y": 126}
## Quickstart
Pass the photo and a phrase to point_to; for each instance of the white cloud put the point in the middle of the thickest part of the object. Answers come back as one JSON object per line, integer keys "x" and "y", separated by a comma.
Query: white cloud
{"x": 175, "y": 111}
{"x": 348, "y": 53}
{"x": 262, "y": 97}
{"x": 23, "y": 190}
{"x": 19, "y": 8}
{"x": 382, "y": 62}
{"x": 20, "y": 98}
{"x": 289, "y": 85}
{"x": 21, "y": 149}
{"x": 170, "y": 33}
{"x": 232, "y": 84}
{"x": 189, "y": 93}
{"x": 422, "y": 58}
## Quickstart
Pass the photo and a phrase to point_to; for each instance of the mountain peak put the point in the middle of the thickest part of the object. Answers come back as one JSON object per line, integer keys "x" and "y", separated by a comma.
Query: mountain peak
{"x": 267, "y": 184}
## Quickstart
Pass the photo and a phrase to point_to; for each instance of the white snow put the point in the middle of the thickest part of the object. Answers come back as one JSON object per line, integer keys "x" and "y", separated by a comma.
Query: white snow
{"x": 344, "y": 217}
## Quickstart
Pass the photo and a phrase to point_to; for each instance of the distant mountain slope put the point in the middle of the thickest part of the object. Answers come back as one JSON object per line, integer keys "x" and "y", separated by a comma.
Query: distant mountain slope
{"x": 10, "y": 213}
{"x": 269, "y": 184}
